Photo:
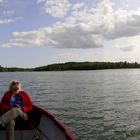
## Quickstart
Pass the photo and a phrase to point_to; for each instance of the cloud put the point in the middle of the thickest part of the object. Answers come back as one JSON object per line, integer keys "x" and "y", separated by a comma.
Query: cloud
{"x": 77, "y": 31}
{"x": 55, "y": 8}
{"x": 84, "y": 28}
{"x": 59, "y": 36}
{"x": 127, "y": 48}
{"x": 7, "y": 21}
{"x": 78, "y": 6}
{"x": 121, "y": 23}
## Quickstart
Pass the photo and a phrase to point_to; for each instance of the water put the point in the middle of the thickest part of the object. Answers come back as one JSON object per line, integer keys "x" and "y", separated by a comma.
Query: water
{"x": 94, "y": 105}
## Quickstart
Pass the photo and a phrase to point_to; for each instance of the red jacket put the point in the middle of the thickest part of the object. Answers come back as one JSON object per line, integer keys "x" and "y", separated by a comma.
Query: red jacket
{"x": 27, "y": 103}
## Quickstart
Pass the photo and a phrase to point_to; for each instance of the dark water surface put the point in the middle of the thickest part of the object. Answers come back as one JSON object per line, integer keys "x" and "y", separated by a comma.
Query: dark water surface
{"x": 94, "y": 105}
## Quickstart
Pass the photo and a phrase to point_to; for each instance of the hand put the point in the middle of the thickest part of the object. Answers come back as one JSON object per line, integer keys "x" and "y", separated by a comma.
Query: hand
{"x": 19, "y": 107}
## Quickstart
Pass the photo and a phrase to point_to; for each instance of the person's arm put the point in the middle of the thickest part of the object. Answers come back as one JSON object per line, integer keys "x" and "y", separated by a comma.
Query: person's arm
{"x": 28, "y": 103}
{"x": 4, "y": 105}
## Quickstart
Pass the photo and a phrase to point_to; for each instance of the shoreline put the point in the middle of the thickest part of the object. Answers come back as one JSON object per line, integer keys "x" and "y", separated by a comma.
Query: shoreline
{"x": 75, "y": 66}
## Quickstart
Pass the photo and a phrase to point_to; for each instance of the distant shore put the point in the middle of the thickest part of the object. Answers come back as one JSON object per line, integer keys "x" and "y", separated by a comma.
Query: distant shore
{"x": 74, "y": 66}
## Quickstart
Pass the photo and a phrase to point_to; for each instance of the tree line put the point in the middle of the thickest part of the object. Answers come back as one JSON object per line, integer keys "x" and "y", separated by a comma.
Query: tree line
{"x": 75, "y": 66}
{"x": 87, "y": 66}
{"x": 14, "y": 69}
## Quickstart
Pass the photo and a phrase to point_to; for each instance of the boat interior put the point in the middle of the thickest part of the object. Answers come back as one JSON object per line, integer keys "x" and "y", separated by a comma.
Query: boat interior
{"x": 41, "y": 125}
{"x": 25, "y": 130}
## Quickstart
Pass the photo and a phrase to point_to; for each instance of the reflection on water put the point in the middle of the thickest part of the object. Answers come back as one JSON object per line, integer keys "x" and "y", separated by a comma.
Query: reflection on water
{"x": 94, "y": 105}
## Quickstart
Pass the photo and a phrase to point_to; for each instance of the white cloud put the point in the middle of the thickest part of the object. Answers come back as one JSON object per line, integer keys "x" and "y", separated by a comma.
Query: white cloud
{"x": 59, "y": 36}
{"x": 76, "y": 32}
{"x": 78, "y": 6}
{"x": 85, "y": 28}
{"x": 55, "y": 8}
{"x": 122, "y": 23}
{"x": 7, "y": 21}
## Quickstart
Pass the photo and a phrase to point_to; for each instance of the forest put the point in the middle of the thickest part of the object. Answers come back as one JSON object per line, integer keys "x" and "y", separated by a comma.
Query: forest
{"x": 14, "y": 69}
{"x": 87, "y": 66}
{"x": 75, "y": 66}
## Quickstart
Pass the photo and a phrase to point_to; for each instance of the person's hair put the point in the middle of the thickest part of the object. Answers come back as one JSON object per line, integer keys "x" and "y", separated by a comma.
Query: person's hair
{"x": 11, "y": 84}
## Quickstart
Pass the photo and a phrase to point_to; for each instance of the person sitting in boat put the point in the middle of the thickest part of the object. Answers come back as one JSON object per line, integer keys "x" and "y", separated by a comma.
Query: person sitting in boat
{"x": 15, "y": 103}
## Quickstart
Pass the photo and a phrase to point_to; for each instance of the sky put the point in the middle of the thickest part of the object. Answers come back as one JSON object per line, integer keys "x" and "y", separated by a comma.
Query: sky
{"x": 41, "y": 32}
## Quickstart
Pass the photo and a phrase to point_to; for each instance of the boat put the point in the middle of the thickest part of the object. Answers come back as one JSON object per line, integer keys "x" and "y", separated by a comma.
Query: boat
{"x": 41, "y": 125}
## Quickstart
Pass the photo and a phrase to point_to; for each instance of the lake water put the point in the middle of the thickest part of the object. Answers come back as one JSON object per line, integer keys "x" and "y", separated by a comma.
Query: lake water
{"x": 94, "y": 105}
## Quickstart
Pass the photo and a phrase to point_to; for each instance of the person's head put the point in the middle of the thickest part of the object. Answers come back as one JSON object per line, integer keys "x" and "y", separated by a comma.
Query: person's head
{"x": 14, "y": 86}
